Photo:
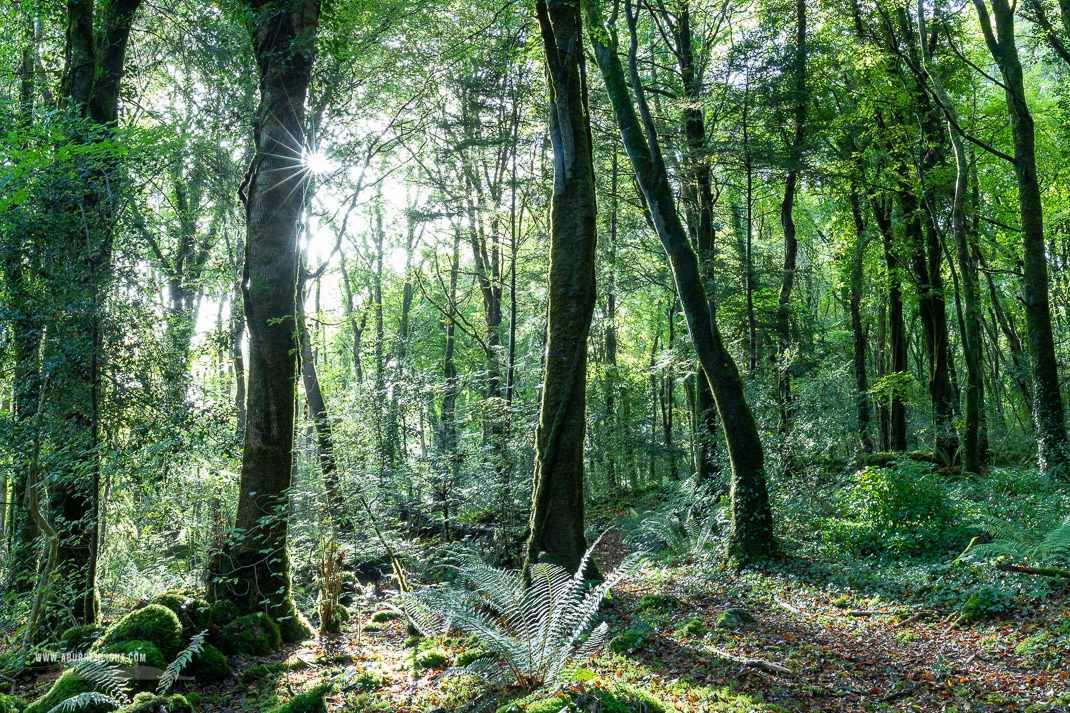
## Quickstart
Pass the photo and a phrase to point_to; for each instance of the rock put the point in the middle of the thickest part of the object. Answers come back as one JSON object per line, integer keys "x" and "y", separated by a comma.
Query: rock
{"x": 733, "y": 619}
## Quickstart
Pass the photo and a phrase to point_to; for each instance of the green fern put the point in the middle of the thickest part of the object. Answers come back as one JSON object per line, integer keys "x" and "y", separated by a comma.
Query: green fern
{"x": 104, "y": 674}
{"x": 537, "y": 633}
{"x": 170, "y": 675}
{"x": 75, "y": 703}
{"x": 1016, "y": 542}
{"x": 687, "y": 522}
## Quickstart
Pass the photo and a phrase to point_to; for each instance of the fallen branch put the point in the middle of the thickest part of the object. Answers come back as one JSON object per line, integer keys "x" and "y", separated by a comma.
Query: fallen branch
{"x": 1042, "y": 571}
{"x": 784, "y": 605}
{"x": 756, "y": 663}
{"x": 911, "y": 619}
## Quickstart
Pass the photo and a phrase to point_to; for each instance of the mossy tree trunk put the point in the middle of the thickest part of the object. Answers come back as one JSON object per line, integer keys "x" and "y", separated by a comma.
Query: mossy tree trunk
{"x": 751, "y": 537}
{"x": 1053, "y": 453}
{"x": 557, "y": 514}
{"x": 254, "y": 568}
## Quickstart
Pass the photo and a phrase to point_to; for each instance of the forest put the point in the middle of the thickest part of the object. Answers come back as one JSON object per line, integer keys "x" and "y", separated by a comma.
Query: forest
{"x": 539, "y": 356}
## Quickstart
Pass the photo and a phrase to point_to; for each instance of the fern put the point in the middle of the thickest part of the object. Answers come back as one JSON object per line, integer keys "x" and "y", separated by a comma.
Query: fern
{"x": 82, "y": 700}
{"x": 537, "y": 633}
{"x": 109, "y": 677}
{"x": 687, "y": 522}
{"x": 1014, "y": 541}
{"x": 170, "y": 675}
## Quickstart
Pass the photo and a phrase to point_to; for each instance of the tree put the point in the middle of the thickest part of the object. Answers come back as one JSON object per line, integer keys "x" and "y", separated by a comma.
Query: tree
{"x": 557, "y": 520}
{"x": 752, "y": 537}
{"x": 254, "y": 569}
{"x": 1053, "y": 454}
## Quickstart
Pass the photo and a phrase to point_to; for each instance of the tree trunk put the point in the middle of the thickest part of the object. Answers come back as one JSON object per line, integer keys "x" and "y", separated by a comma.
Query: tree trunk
{"x": 858, "y": 334}
{"x": 557, "y": 513}
{"x": 751, "y": 536}
{"x": 897, "y": 411}
{"x": 255, "y": 565}
{"x": 1053, "y": 454}
{"x": 787, "y": 222}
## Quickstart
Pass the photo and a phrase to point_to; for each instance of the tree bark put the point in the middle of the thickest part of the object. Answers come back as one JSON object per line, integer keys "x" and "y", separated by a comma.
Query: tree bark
{"x": 1053, "y": 454}
{"x": 557, "y": 513}
{"x": 751, "y": 536}
{"x": 858, "y": 334}
{"x": 255, "y": 565}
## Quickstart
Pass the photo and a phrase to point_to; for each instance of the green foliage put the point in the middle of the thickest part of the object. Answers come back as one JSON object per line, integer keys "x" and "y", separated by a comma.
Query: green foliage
{"x": 154, "y": 623}
{"x": 686, "y": 523}
{"x": 181, "y": 661}
{"x": 539, "y": 632}
{"x": 1050, "y": 546}
{"x": 84, "y": 682}
{"x": 614, "y": 697}
{"x": 209, "y": 665}
{"x": 11, "y": 704}
{"x": 253, "y": 634}
{"x": 903, "y": 510}
{"x": 311, "y": 701}
{"x": 985, "y": 603}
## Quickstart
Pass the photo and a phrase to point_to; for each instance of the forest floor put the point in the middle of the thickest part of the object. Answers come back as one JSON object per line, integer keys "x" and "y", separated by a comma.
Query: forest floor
{"x": 813, "y": 646}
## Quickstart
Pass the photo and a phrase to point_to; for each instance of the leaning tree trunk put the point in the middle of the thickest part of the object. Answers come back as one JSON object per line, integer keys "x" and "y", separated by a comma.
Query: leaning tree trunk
{"x": 1053, "y": 454}
{"x": 751, "y": 535}
{"x": 557, "y": 508}
{"x": 255, "y": 567}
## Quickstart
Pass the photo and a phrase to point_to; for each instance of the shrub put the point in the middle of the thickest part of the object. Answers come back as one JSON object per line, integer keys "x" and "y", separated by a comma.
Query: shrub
{"x": 154, "y": 623}
{"x": 254, "y": 634}
{"x": 903, "y": 509}
{"x": 210, "y": 665}
{"x": 539, "y": 632}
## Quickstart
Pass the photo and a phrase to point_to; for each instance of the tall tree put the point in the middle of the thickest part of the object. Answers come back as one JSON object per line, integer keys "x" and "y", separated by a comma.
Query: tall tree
{"x": 254, "y": 568}
{"x": 752, "y": 521}
{"x": 557, "y": 513}
{"x": 1053, "y": 453}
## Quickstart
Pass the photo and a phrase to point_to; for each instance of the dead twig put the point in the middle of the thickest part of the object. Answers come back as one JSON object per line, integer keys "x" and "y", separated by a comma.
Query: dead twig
{"x": 756, "y": 663}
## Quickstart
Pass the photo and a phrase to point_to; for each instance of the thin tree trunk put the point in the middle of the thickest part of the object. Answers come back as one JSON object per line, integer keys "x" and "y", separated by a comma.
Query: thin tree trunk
{"x": 751, "y": 536}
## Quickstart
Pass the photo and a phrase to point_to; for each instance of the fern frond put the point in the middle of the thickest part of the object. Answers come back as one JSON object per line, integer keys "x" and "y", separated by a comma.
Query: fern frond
{"x": 82, "y": 700}
{"x": 105, "y": 675}
{"x": 170, "y": 674}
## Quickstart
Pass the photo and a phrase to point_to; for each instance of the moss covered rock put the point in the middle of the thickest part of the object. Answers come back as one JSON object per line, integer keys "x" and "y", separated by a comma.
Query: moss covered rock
{"x": 381, "y": 617}
{"x": 193, "y": 613}
{"x": 151, "y": 703}
{"x": 694, "y": 628}
{"x": 466, "y": 658}
{"x": 222, "y": 612}
{"x": 154, "y": 623}
{"x": 311, "y": 701}
{"x": 80, "y": 638}
{"x": 10, "y": 704}
{"x": 733, "y": 619}
{"x": 209, "y": 665}
{"x": 253, "y": 634}
{"x": 657, "y": 603}
{"x": 433, "y": 658}
{"x": 67, "y": 686}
